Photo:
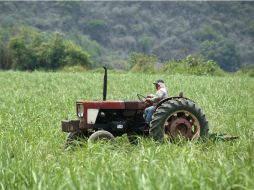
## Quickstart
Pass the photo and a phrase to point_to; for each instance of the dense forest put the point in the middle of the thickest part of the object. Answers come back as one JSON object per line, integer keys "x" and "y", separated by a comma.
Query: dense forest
{"x": 96, "y": 33}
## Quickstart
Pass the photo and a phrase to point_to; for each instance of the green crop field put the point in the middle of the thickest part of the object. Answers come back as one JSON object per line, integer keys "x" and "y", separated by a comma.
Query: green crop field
{"x": 32, "y": 106}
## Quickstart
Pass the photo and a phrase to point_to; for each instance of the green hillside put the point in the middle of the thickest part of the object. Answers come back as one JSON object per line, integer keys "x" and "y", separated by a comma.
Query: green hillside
{"x": 110, "y": 31}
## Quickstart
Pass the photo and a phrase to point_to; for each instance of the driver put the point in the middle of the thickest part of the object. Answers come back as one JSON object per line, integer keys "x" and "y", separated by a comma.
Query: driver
{"x": 161, "y": 93}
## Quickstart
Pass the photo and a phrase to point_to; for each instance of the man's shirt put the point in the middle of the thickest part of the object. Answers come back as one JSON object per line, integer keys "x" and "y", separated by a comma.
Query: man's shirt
{"x": 160, "y": 94}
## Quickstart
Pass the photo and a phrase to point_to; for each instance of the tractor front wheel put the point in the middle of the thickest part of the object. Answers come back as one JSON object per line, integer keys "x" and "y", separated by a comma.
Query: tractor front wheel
{"x": 178, "y": 117}
{"x": 101, "y": 135}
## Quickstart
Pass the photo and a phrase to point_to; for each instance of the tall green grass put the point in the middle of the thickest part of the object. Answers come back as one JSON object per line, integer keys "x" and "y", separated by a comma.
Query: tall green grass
{"x": 31, "y": 142}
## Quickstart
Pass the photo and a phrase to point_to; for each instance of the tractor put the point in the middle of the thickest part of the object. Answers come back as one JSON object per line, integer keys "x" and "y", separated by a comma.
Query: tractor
{"x": 173, "y": 117}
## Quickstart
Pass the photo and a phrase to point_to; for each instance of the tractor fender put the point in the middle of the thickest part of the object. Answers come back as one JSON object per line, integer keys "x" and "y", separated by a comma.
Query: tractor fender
{"x": 171, "y": 98}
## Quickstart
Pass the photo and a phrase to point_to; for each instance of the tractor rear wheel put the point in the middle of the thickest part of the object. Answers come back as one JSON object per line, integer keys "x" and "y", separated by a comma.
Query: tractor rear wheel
{"x": 101, "y": 135}
{"x": 178, "y": 117}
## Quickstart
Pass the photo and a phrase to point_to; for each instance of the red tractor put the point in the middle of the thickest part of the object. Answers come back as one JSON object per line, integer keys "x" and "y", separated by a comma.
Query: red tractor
{"x": 173, "y": 117}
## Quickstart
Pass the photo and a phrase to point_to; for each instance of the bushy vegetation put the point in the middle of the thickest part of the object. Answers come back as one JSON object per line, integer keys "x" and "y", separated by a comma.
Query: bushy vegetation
{"x": 75, "y": 68}
{"x": 31, "y": 142}
{"x": 27, "y": 49}
{"x": 247, "y": 71}
{"x": 192, "y": 65}
{"x": 195, "y": 65}
{"x": 143, "y": 63}
{"x": 223, "y": 52}
{"x": 221, "y": 31}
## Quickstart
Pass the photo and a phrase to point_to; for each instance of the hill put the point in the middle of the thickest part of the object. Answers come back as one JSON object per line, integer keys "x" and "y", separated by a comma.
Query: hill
{"x": 110, "y": 31}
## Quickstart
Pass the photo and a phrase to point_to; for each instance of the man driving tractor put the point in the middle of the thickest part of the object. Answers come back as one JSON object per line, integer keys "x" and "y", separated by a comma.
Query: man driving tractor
{"x": 108, "y": 119}
{"x": 153, "y": 100}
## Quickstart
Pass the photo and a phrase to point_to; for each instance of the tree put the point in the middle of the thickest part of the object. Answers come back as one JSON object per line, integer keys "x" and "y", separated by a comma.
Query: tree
{"x": 23, "y": 57}
{"x": 28, "y": 49}
{"x": 74, "y": 55}
{"x": 142, "y": 62}
{"x": 208, "y": 33}
{"x": 5, "y": 58}
{"x": 223, "y": 52}
{"x": 56, "y": 51}
{"x": 250, "y": 28}
{"x": 97, "y": 29}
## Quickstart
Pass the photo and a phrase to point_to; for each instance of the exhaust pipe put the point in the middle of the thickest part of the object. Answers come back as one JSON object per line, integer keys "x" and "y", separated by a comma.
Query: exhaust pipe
{"x": 105, "y": 82}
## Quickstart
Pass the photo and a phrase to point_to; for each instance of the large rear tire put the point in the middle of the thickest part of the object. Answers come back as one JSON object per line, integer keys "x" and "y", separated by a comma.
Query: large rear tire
{"x": 178, "y": 117}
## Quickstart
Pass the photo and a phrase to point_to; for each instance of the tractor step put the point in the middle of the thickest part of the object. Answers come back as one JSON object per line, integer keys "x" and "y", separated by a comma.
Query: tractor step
{"x": 70, "y": 125}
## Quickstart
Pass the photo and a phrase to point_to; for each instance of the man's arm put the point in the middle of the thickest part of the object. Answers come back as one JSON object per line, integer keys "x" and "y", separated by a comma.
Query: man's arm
{"x": 158, "y": 97}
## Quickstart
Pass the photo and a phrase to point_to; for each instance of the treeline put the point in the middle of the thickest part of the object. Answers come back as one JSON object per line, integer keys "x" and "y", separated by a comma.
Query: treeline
{"x": 25, "y": 48}
{"x": 192, "y": 65}
{"x": 110, "y": 31}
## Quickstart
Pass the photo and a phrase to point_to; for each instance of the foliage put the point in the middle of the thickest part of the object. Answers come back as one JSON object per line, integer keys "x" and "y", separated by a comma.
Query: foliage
{"x": 91, "y": 46}
{"x": 247, "y": 71}
{"x": 23, "y": 57}
{"x": 222, "y": 31}
{"x": 28, "y": 49}
{"x": 195, "y": 65}
{"x": 208, "y": 33}
{"x": 223, "y": 52}
{"x": 145, "y": 42}
{"x": 31, "y": 142}
{"x": 96, "y": 28}
{"x": 141, "y": 62}
{"x": 75, "y": 68}
{"x": 113, "y": 62}
{"x": 74, "y": 55}
{"x": 250, "y": 28}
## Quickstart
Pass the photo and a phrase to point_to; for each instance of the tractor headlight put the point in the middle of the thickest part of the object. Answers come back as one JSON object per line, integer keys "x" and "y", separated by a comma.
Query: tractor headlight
{"x": 80, "y": 110}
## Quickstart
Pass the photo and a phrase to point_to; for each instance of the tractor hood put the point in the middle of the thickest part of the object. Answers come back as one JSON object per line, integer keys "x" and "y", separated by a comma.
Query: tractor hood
{"x": 113, "y": 104}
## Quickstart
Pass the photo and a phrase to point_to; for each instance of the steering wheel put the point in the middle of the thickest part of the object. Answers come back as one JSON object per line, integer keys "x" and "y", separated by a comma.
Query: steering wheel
{"x": 141, "y": 97}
